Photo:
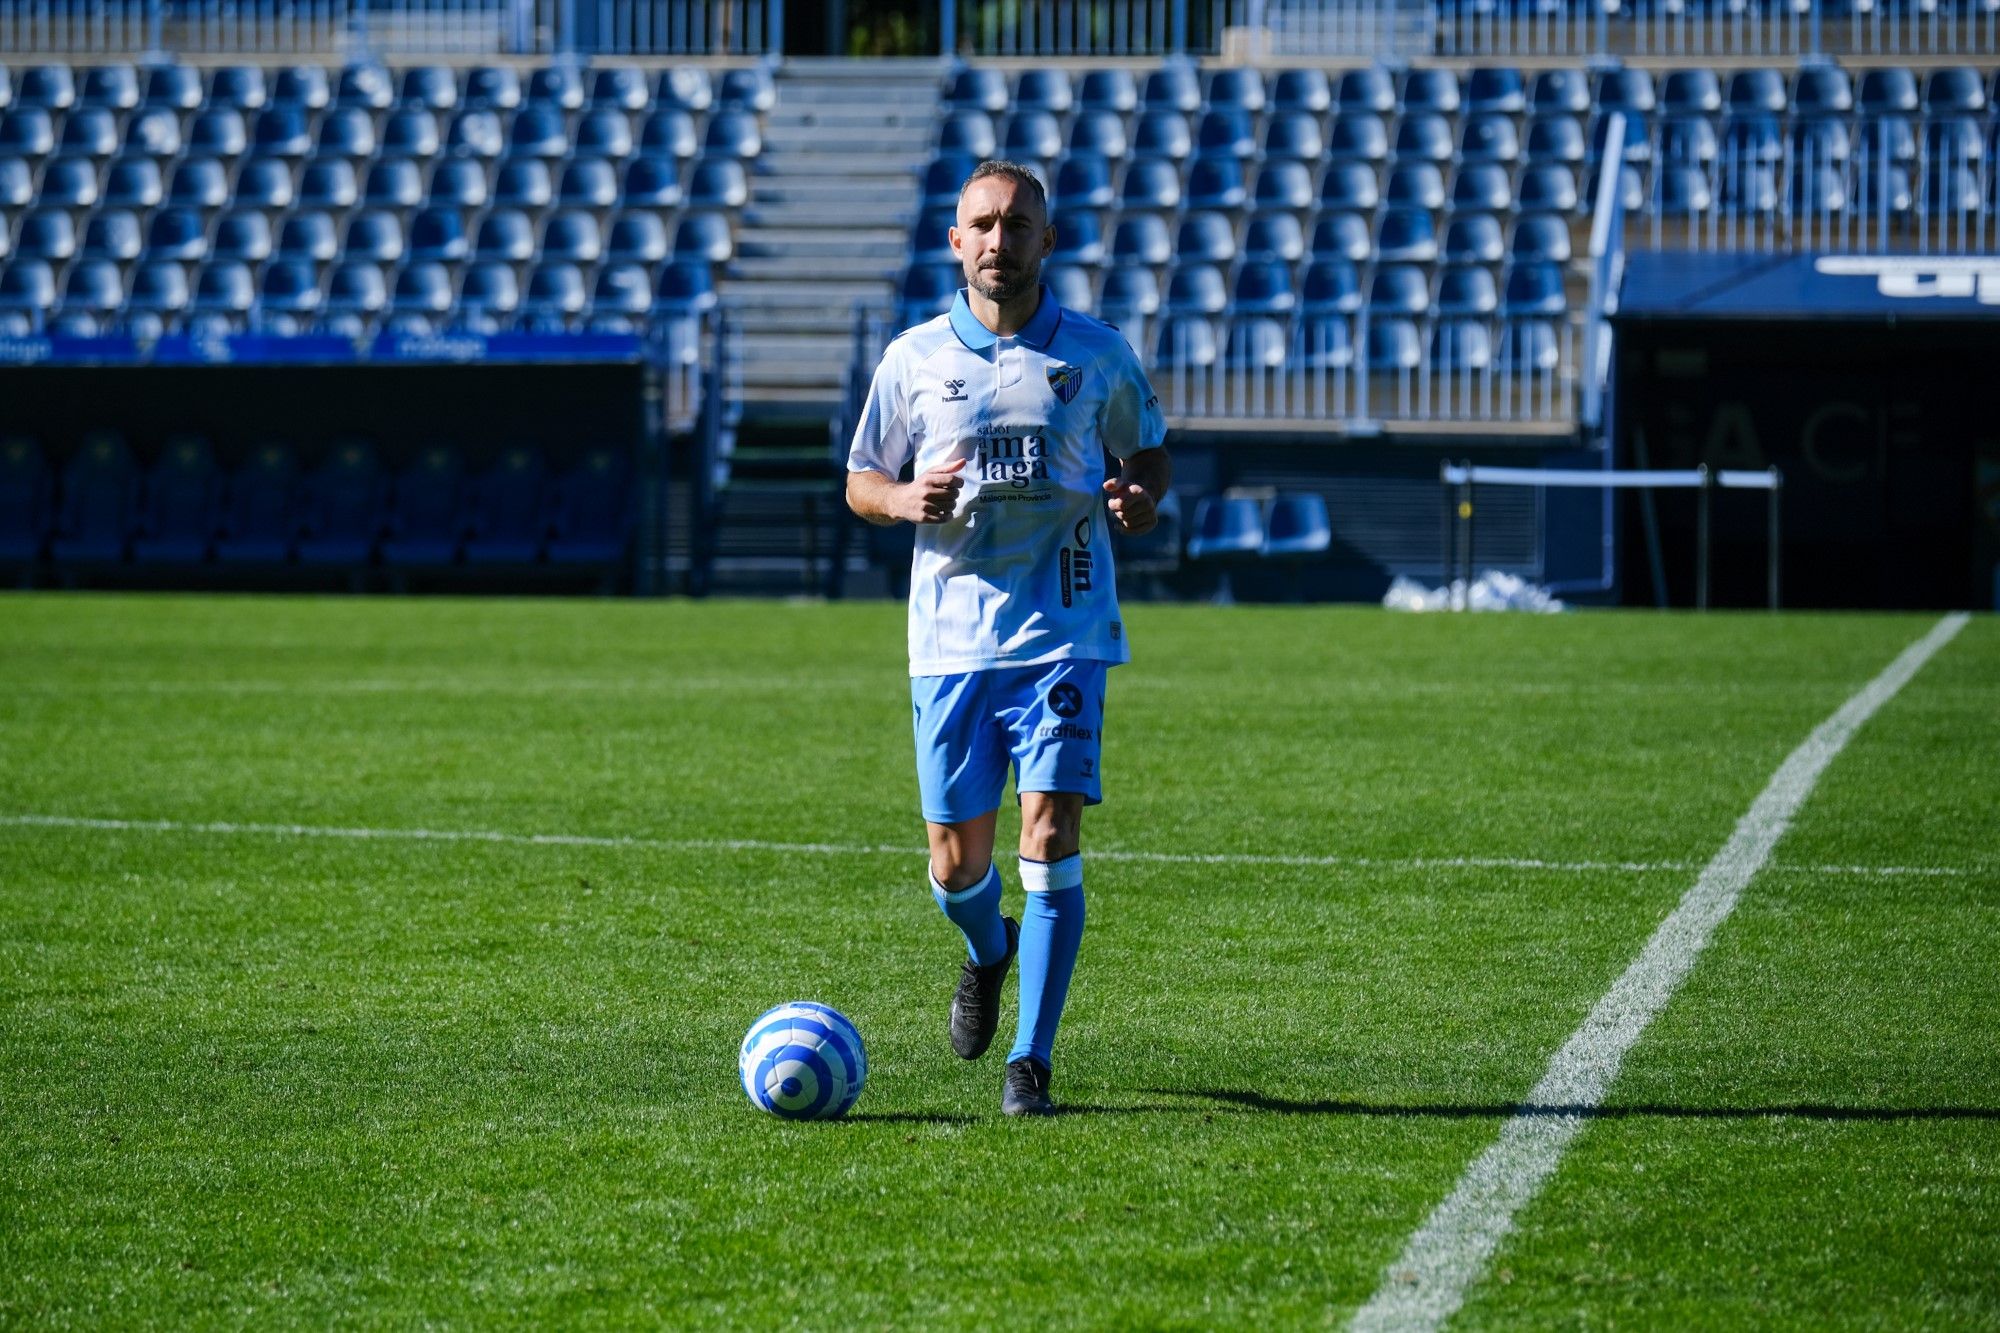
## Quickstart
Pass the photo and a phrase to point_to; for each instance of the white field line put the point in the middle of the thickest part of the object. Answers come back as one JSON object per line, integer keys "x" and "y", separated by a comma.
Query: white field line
{"x": 1428, "y": 1282}
{"x": 913, "y": 850}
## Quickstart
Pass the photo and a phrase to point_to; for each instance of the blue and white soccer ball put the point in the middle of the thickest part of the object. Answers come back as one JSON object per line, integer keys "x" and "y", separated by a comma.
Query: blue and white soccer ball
{"x": 803, "y": 1061}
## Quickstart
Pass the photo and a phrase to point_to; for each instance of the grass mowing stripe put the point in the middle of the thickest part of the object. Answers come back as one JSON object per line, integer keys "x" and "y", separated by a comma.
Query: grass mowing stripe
{"x": 1427, "y": 1283}
{"x": 884, "y": 849}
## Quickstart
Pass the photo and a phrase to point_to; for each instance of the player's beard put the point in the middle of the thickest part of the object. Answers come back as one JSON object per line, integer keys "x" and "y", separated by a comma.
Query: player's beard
{"x": 1002, "y": 285}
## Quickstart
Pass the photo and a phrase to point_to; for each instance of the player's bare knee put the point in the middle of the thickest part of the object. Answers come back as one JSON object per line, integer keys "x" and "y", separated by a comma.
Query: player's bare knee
{"x": 1051, "y": 825}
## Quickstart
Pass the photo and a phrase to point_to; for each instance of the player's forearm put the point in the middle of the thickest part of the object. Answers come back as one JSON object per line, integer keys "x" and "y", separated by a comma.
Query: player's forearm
{"x": 869, "y": 495}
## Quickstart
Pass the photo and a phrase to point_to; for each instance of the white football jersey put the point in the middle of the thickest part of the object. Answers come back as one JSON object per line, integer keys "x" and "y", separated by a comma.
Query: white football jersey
{"x": 1021, "y": 572}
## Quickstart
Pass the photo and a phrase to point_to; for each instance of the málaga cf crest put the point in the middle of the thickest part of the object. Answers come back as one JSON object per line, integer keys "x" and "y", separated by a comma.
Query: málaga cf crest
{"x": 1065, "y": 381}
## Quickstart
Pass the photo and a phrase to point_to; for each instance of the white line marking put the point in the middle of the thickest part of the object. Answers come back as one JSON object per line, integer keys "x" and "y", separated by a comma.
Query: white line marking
{"x": 233, "y": 829}
{"x": 1447, "y": 1254}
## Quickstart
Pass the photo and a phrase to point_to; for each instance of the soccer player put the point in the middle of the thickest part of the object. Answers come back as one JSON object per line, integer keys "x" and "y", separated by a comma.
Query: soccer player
{"x": 1005, "y": 409}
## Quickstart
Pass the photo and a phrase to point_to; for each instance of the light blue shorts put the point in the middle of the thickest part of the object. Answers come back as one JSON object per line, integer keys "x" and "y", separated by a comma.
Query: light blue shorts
{"x": 1046, "y": 722}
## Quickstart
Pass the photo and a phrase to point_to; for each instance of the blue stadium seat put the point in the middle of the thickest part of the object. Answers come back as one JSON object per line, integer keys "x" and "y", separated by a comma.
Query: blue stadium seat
{"x": 264, "y": 182}
{"x": 1407, "y": 236}
{"x": 303, "y": 86}
{"x": 493, "y": 88}
{"x": 311, "y": 237}
{"x": 555, "y": 295}
{"x": 154, "y": 132}
{"x": 456, "y": 182}
{"x": 111, "y": 233}
{"x": 90, "y": 132}
{"x": 1108, "y": 90}
{"x": 1293, "y": 136}
{"x": 651, "y": 182}
{"x": 705, "y": 236}
{"x": 1283, "y": 185}
{"x": 1151, "y": 184}
{"x": 538, "y": 132}
{"x": 507, "y": 508}
{"x": 1369, "y": 89}
{"x": 1098, "y": 132}
{"x": 1752, "y": 139}
{"x": 1226, "y": 527}
{"x": 620, "y": 88}
{"x": 259, "y": 517}
{"x": 1216, "y": 182}
{"x": 290, "y": 287}
{"x": 437, "y": 234}
{"x": 100, "y": 503}
{"x": 1534, "y": 291}
{"x": 180, "y": 507}
{"x": 28, "y": 287}
{"x": 1342, "y": 235}
{"x": 1238, "y": 86}
{"x": 1185, "y": 341}
{"x": 1305, "y": 90}
{"x": 1822, "y": 90}
{"x": 422, "y": 288}
{"x": 1349, "y": 187}
{"x": 27, "y": 131}
{"x": 238, "y": 86}
{"x": 1557, "y": 139}
{"x": 735, "y": 134}
{"x": 68, "y": 182}
{"x": 397, "y": 183}
{"x": 1561, "y": 93}
{"x": 1481, "y": 188}
{"x": 622, "y": 290}
{"x": 1758, "y": 92}
{"x": 1141, "y": 238}
{"x": 1886, "y": 188}
{"x": 1358, "y": 136}
{"x": 1489, "y": 139}
{"x": 46, "y": 233}
{"x": 1951, "y": 186}
{"x": 375, "y": 237}
{"x": 1430, "y": 89}
{"x": 1399, "y": 289}
{"x": 1070, "y": 286}
{"x": 1173, "y": 87}
{"x": 217, "y": 131}
{"x": 978, "y": 88}
{"x": 1638, "y": 146}
{"x": 1955, "y": 142}
{"x": 944, "y": 175}
{"x": 606, "y": 133}
{"x": 1498, "y": 88}
{"x": 1296, "y": 526}
{"x": 1623, "y": 88}
{"x": 1274, "y": 236}
{"x": 505, "y": 234}
{"x": 475, "y": 134}
{"x": 174, "y": 87}
{"x": 1681, "y": 191}
{"x": 27, "y": 495}
{"x": 242, "y": 234}
{"x": 1821, "y": 141}
{"x": 688, "y": 287}
{"x": 523, "y": 183}
{"x": 1205, "y": 238}
{"x": 365, "y": 84}
{"x": 1956, "y": 91}
{"x": 1415, "y": 185}
{"x": 1162, "y": 134}
{"x": 17, "y": 185}
{"x": 1079, "y": 238}
{"x": 490, "y": 293}
{"x": 1693, "y": 92}
{"x": 1133, "y": 293}
{"x": 1546, "y": 189}
{"x": 356, "y": 288}
{"x": 348, "y": 132}
{"x": 1263, "y": 287}
{"x": 1256, "y": 342}
{"x": 571, "y": 235}
{"x": 281, "y": 133}
{"x": 590, "y": 182}
{"x": 1688, "y": 140}
{"x": 1631, "y": 188}
{"x": 1461, "y": 346}
{"x": 1083, "y": 180}
{"x": 716, "y": 183}
{"x": 1394, "y": 345}
{"x": 637, "y": 238}
{"x": 592, "y": 514}
{"x": 669, "y": 132}
{"x": 1423, "y": 137}
{"x": 224, "y": 287}
{"x": 1890, "y": 90}
{"x": 93, "y": 287}
{"x": 342, "y": 503}
{"x": 1540, "y": 238}
{"x": 179, "y": 234}
{"x": 1044, "y": 89}
{"x": 559, "y": 85}
{"x": 1821, "y": 189}
{"x": 1528, "y": 347}
{"x": 1196, "y": 289}
{"x": 51, "y": 87}
{"x": 1466, "y": 291}
{"x": 685, "y": 88}
{"x": 930, "y": 238}
{"x": 328, "y": 183}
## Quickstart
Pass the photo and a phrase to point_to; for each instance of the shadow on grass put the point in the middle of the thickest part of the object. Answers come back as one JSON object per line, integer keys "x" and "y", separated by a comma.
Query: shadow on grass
{"x": 1257, "y": 1101}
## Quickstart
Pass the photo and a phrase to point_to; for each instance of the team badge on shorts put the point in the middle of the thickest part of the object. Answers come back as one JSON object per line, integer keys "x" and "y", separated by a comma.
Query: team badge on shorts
{"x": 1065, "y": 381}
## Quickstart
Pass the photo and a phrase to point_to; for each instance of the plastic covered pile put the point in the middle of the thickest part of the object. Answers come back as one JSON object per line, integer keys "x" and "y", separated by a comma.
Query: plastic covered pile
{"x": 1491, "y": 591}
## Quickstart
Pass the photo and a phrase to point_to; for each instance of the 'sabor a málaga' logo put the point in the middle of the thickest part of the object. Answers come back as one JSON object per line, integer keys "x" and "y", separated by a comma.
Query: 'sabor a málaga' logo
{"x": 1065, "y": 699}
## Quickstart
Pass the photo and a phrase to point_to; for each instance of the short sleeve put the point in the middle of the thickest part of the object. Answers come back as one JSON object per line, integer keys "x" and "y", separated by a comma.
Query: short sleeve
{"x": 882, "y": 436}
{"x": 1132, "y": 418}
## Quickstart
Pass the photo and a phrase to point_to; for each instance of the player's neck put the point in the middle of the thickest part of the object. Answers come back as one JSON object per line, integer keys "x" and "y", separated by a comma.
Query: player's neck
{"x": 1004, "y": 318}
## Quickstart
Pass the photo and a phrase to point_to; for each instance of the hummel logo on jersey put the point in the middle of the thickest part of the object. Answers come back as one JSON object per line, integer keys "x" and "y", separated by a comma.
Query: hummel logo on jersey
{"x": 1065, "y": 381}
{"x": 954, "y": 391}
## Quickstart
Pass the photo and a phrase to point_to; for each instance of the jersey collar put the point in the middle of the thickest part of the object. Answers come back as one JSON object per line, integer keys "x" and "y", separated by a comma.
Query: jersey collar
{"x": 1038, "y": 332}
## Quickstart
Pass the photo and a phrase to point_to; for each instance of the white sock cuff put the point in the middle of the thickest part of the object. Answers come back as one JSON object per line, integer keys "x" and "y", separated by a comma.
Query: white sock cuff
{"x": 1049, "y": 876}
{"x": 992, "y": 872}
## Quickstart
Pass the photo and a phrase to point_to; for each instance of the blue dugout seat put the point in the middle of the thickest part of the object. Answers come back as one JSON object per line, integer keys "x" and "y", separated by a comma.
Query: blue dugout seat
{"x": 181, "y": 506}
{"x": 342, "y": 505}
{"x": 507, "y": 510}
{"x": 592, "y": 513}
{"x": 27, "y": 495}
{"x": 100, "y": 501}
{"x": 426, "y": 518}
{"x": 259, "y": 516}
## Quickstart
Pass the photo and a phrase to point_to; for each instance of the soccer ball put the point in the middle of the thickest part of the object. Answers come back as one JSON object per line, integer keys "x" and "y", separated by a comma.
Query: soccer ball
{"x": 803, "y": 1061}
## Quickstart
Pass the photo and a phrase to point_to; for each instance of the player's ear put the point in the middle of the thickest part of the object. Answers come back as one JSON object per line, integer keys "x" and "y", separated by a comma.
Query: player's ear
{"x": 951, "y": 234}
{"x": 1048, "y": 240}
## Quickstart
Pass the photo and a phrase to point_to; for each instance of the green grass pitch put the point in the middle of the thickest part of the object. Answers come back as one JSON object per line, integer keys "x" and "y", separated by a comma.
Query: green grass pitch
{"x": 255, "y": 1077}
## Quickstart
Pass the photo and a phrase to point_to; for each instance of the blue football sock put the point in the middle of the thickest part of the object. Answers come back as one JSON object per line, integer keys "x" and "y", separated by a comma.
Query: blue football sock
{"x": 1051, "y": 930}
{"x": 976, "y": 912}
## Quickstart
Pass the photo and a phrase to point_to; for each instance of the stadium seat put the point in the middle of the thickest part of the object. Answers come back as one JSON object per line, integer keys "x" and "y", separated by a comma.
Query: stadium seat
{"x": 179, "y": 234}
{"x": 154, "y": 133}
{"x": 46, "y": 233}
{"x": 238, "y": 86}
{"x": 493, "y": 88}
{"x": 281, "y": 133}
{"x": 99, "y": 504}
{"x": 429, "y": 88}
{"x": 458, "y": 183}
{"x": 1196, "y": 289}
{"x": 1460, "y": 347}
{"x": 1692, "y": 92}
{"x": 592, "y": 512}
{"x": 1070, "y": 286}
{"x": 1623, "y": 88}
{"x": 538, "y": 132}
{"x": 1394, "y": 346}
{"x": 1688, "y": 141}
{"x": 1301, "y": 90}
{"x": 1822, "y": 189}
{"x": 1546, "y": 189}
{"x": 1032, "y": 136}
{"x": 258, "y": 519}
{"x": 1821, "y": 142}
{"x": 1822, "y": 90}
{"x": 1283, "y": 185}
{"x": 224, "y": 287}
{"x": 748, "y": 88}
{"x": 217, "y": 131}
{"x": 1752, "y": 139}
{"x": 422, "y": 288}
{"x": 506, "y": 509}
{"x": 637, "y": 238}
{"x": 1466, "y": 291}
{"x": 348, "y": 132}
{"x": 1331, "y": 287}
{"x": 52, "y": 87}
{"x": 1097, "y": 132}
{"x": 1481, "y": 188}
{"x": 1044, "y": 89}
{"x": 1263, "y": 287}
{"x": 263, "y": 182}
{"x": 687, "y": 287}
{"x": 523, "y": 183}
{"x": 1110, "y": 90}
{"x": 1185, "y": 342}
{"x": 328, "y": 184}
{"x": 651, "y": 182}
{"x": 559, "y": 85}
{"x": 242, "y": 234}
{"x": 27, "y": 132}
{"x": 1227, "y": 132}
{"x": 572, "y": 236}
{"x": 1079, "y": 238}
{"x": 1130, "y": 295}
{"x": 1424, "y": 137}
{"x": 1205, "y": 238}
{"x": 490, "y": 294}
{"x": 1415, "y": 185}
{"x": 505, "y": 234}
{"x": 1540, "y": 238}
{"x": 91, "y": 132}
{"x": 1473, "y": 238}
{"x": 967, "y": 132}
{"x": 1528, "y": 347}
{"x": 93, "y": 287}
{"x": 1407, "y": 236}
{"x": 1141, "y": 238}
{"x": 1342, "y": 235}
{"x": 1499, "y": 89}
{"x": 1368, "y": 89}
{"x": 1297, "y": 526}
{"x": 68, "y": 182}
{"x": 620, "y": 88}
{"x": 1173, "y": 87}
{"x": 1255, "y": 343}
{"x": 27, "y": 494}
{"x": 1631, "y": 188}
{"x": 1759, "y": 92}
{"x": 555, "y": 295}
{"x": 1216, "y": 182}
{"x": 1236, "y": 86}
{"x": 1399, "y": 289}
{"x": 1431, "y": 90}
{"x": 978, "y": 88}
{"x": 289, "y": 287}
{"x": 397, "y": 183}
{"x": 1358, "y": 137}
{"x": 1682, "y": 191}
{"x": 1954, "y": 142}
{"x": 1151, "y": 184}
{"x": 930, "y": 238}
{"x": 1293, "y": 136}
{"x": 1888, "y": 91}
{"x": 1083, "y": 180}
{"x": 670, "y": 133}
{"x": 303, "y": 86}
{"x": 1162, "y": 134}
{"x": 28, "y": 287}
{"x": 437, "y": 234}
{"x": 944, "y": 175}
{"x": 735, "y": 134}
{"x": 1638, "y": 145}
{"x": 1274, "y": 236}
{"x": 716, "y": 183}
{"x": 1957, "y": 91}
{"x": 356, "y": 288}
{"x": 342, "y": 503}
{"x": 593, "y": 183}
{"x": 475, "y": 134}
{"x": 1226, "y": 527}
{"x": 705, "y": 236}
{"x": 173, "y": 87}
{"x": 373, "y": 236}
{"x": 1489, "y": 139}
{"x": 111, "y": 233}
{"x": 311, "y": 237}
{"x": 686, "y": 88}
{"x": 1557, "y": 139}
{"x": 1533, "y": 291}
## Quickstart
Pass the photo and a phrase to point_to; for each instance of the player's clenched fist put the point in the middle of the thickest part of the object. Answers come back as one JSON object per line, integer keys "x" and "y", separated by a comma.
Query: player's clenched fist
{"x": 1132, "y": 505}
{"x": 933, "y": 496}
